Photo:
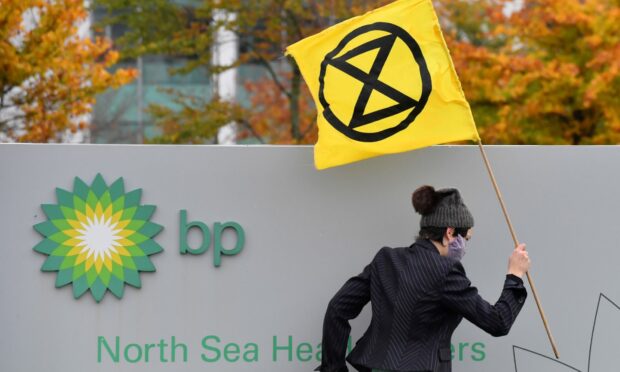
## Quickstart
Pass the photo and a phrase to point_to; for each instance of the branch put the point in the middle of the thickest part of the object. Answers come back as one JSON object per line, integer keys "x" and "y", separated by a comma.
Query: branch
{"x": 273, "y": 74}
{"x": 317, "y": 14}
{"x": 248, "y": 126}
{"x": 305, "y": 132}
{"x": 6, "y": 89}
{"x": 295, "y": 23}
{"x": 7, "y": 121}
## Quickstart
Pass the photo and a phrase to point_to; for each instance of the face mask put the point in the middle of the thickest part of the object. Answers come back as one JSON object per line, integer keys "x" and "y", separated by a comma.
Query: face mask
{"x": 456, "y": 249}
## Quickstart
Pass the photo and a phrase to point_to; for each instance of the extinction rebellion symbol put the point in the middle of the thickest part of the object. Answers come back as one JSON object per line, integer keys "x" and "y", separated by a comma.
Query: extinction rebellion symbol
{"x": 98, "y": 237}
{"x": 382, "y": 122}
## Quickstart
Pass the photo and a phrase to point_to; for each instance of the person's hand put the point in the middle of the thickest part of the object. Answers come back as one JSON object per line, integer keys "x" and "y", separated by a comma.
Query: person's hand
{"x": 519, "y": 261}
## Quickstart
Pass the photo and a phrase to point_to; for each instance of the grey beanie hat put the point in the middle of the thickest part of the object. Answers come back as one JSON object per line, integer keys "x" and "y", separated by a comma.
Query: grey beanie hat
{"x": 441, "y": 208}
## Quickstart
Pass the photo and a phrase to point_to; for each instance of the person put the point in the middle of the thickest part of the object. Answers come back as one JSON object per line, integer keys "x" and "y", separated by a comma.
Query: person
{"x": 419, "y": 295}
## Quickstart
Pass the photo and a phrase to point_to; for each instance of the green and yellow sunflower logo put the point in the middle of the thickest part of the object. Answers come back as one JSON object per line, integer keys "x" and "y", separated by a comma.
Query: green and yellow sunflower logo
{"x": 98, "y": 237}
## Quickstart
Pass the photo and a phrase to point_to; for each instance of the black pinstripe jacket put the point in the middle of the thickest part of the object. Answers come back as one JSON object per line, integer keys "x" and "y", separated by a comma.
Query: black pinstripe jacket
{"x": 418, "y": 298}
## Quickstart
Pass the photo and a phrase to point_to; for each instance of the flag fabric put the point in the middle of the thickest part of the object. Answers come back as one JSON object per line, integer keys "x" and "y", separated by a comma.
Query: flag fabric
{"x": 383, "y": 83}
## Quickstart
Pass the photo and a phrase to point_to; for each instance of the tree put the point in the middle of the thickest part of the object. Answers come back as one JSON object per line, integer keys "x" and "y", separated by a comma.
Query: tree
{"x": 281, "y": 109}
{"x": 49, "y": 76}
{"x": 545, "y": 73}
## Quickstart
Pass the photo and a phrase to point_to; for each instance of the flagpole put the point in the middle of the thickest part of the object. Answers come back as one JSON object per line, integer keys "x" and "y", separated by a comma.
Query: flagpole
{"x": 516, "y": 241}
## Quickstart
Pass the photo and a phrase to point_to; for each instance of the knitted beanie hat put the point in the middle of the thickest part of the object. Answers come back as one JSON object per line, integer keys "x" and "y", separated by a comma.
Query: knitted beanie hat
{"x": 441, "y": 208}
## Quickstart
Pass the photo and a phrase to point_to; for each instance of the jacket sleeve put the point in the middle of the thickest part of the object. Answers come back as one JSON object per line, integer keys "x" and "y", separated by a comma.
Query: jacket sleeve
{"x": 461, "y": 297}
{"x": 345, "y": 305}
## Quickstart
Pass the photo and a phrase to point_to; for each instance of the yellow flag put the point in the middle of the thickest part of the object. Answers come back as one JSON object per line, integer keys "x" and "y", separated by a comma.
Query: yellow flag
{"x": 383, "y": 83}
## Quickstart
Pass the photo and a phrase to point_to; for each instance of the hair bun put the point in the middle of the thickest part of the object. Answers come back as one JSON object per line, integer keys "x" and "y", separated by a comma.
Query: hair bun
{"x": 424, "y": 199}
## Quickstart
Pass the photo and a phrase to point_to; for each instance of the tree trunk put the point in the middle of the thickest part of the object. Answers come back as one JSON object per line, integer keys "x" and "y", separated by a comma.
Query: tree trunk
{"x": 294, "y": 103}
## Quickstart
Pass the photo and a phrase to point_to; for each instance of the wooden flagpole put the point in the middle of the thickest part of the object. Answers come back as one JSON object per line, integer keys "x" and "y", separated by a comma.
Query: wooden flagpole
{"x": 516, "y": 241}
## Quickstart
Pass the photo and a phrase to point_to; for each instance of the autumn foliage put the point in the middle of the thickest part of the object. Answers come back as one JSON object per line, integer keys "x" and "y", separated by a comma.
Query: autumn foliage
{"x": 49, "y": 76}
{"x": 281, "y": 109}
{"x": 545, "y": 73}
{"x": 271, "y": 115}
{"x": 534, "y": 71}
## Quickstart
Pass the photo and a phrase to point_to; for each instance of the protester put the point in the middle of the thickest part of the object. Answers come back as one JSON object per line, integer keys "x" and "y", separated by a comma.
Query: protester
{"x": 419, "y": 294}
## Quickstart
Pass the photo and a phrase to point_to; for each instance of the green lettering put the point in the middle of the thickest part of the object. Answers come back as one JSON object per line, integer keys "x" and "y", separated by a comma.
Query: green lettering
{"x": 251, "y": 352}
{"x": 218, "y": 249}
{"x": 462, "y": 345}
{"x": 138, "y": 353}
{"x": 101, "y": 341}
{"x": 184, "y": 228}
{"x": 304, "y": 348}
{"x": 478, "y": 349}
{"x": 147, "y": 349}
{"x": 231, "y": 352}
{"x": 288, "y": 347}
{"x": 174, "y": 346}
{"x": 215, "y": 350}
{"x": 162, "y": 348}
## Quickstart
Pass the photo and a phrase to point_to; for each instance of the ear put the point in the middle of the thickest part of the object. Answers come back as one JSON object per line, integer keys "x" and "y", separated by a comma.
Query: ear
{"x": 449, "y": 234}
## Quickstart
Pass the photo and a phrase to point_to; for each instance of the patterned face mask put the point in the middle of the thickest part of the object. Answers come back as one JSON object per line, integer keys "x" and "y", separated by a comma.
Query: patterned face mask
{"x": 456, "y": 248}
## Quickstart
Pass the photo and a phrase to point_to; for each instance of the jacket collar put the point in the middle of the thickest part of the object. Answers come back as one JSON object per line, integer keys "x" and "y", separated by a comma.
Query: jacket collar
{"x": 425, "y": 244}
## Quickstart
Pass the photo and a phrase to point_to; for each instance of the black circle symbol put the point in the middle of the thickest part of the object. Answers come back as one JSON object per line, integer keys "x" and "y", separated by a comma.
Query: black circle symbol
{"x": 371, "y": 82}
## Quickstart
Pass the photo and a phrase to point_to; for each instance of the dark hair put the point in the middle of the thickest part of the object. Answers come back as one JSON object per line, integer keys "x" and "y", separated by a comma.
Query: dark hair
{"x": 432, "y": 233}
{"x": 437, "y": 233}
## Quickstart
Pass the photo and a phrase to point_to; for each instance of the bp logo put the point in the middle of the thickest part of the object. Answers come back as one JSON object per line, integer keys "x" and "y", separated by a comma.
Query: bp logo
{"x": 98, "y": 237}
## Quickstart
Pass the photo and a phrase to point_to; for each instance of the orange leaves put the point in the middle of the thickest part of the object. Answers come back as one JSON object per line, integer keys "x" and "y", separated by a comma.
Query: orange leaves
{"x": 280, "y": 109}
{"x": 548, "y": 72}
{"x": 271, "y": 113}
{"x": 49, "y": 74}
{"x": 545, "y": 71}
